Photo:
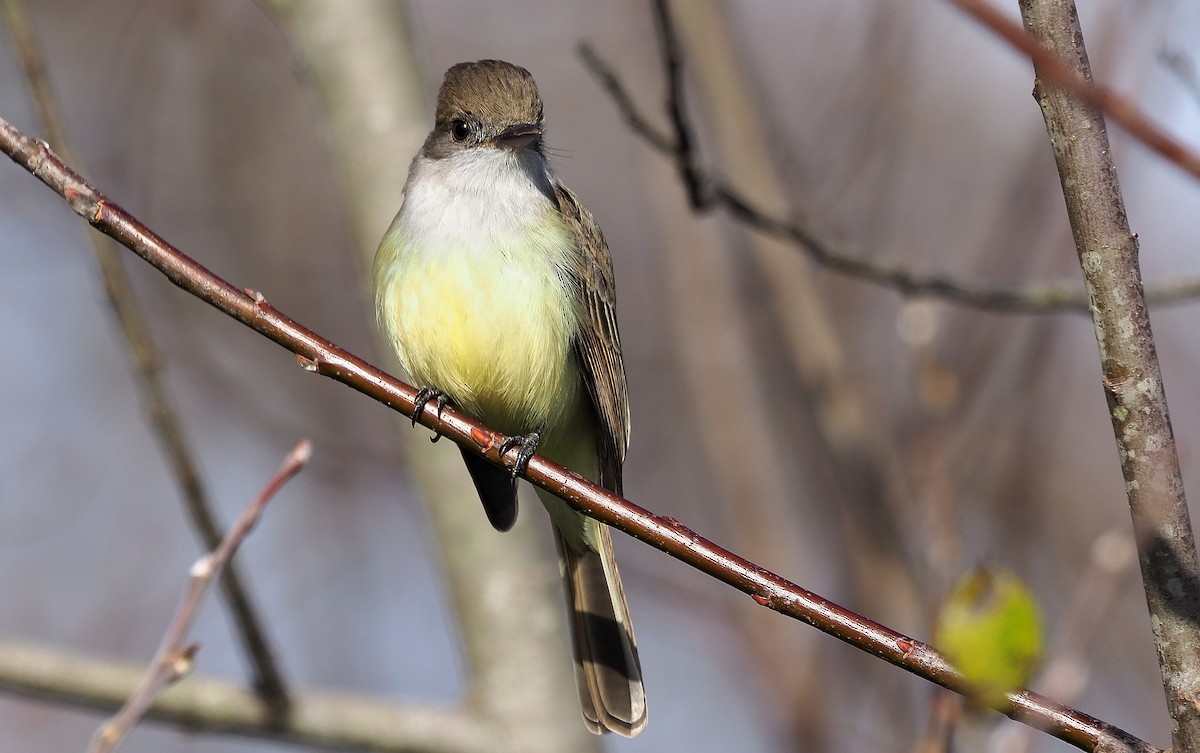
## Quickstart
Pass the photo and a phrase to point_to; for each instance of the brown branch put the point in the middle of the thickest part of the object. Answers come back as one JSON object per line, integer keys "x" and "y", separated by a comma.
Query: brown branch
{"x": 706, "y": 191}
{"x": 317, "y": 354}
{"x": 334, "y": 721}
{"x": 164, "y": 419}
{"x": 1132, "y": 379}
{"x": 1053, "y": 66}
{"x": 173, "y": 661}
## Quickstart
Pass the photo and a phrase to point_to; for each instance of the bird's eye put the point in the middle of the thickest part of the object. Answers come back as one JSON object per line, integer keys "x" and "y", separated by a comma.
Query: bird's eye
{"x": 459, "y": 130}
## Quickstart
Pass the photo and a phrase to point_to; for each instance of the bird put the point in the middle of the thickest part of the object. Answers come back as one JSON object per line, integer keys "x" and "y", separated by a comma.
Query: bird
{"x": 494, "y": 286}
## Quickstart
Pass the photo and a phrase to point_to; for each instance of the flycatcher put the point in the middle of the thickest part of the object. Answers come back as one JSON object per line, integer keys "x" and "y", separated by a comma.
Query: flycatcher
{"x": 495, "y": 287}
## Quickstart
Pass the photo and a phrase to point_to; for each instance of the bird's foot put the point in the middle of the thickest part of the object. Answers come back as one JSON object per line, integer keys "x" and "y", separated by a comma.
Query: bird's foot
{"x": 425, "y": 396}
{"x": 528, "y": 444}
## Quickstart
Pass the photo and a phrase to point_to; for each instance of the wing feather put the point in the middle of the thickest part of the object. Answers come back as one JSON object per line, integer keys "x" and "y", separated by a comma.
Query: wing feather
{"x": 598, "y": 343}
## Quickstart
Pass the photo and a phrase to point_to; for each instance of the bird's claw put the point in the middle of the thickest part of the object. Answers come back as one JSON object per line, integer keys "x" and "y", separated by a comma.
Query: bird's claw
{"x": 528, "y": 444}
{"x": 425, "y": 396}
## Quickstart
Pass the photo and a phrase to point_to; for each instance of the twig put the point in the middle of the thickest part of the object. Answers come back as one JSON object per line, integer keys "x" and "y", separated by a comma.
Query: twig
{"x": 164, "y": 419}
{"x": 706, "y": 191}
{"x": 174, "y": 658}
{"x": 638, "y": 122}
{"x": 1051, "y": 66}
{"x": 317, "y": 354}
{"x": 317, "y": 719}
{"x": 1132, "y": 379}
{"x": 685, "y": 159}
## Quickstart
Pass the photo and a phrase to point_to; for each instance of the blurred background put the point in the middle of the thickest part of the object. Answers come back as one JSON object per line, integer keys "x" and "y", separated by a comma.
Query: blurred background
{"x": 866, "y": 446}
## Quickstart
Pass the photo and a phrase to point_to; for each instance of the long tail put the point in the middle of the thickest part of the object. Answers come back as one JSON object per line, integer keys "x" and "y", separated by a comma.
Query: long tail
{"x": 606, "y": 660}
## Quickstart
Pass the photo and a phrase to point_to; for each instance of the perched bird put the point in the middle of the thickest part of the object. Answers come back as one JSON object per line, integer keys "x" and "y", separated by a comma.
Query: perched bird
{"x": 495, "y": 287}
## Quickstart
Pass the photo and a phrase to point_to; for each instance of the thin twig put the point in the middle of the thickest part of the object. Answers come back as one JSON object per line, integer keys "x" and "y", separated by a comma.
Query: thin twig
{"x": 1052, "y": 67}
{"x": 685, "y": 158}
{"x": 174, "y": 658}
{"x": 706, "y": 190}
{"x": 319, "y": 355}
{"x": 640, "y": 125}
{"x": 1130, "y": 372}
{"x": 164, "y": 419}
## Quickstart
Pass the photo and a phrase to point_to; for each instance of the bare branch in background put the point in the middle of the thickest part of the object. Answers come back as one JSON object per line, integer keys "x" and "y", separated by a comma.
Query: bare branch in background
{"x": 1130, "y": 373}
{"x": 164, "y": 419}
{"x": 317, "y": 354}
{"x": 685, "y": 156}
{"x": 1052, "y": 66}
{"x": 174, "y": 658}
{"x": 317, "y": 719}
{"x": 707, "y": 191}
{"x": 721, "y": 334}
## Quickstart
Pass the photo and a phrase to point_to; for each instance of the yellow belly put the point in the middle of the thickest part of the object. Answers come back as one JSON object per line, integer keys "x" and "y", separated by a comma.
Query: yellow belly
{"x": 493, "y": 331}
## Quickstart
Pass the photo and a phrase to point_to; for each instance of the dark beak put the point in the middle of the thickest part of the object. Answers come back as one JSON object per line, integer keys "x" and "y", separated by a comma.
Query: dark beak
{"x": 521, "y": 134}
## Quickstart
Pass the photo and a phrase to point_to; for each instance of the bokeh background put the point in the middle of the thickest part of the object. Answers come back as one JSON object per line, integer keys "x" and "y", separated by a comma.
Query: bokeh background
{"x": 867, "y": 446}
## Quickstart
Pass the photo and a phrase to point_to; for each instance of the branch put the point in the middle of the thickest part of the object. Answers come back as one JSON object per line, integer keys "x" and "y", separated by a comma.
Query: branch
{"x": 1132, "y": 379}
{"x": 164, "y": 419}
{"x": 207, "y": 704}
{"x": 1052, "y": 66}
{"x": 706, "y": 191}
{"x": 699, "y": 193}
{"x": 174, "y": 658}
{"x": 317, "y": 354}
{"x": 718, "y": 330}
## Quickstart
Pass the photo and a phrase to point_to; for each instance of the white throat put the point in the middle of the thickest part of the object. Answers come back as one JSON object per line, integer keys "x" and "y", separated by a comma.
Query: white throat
{"x": 475, "y": 195}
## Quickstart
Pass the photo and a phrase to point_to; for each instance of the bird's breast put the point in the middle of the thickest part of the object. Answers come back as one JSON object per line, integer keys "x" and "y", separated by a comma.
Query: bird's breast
{"x": 471, "y": 292}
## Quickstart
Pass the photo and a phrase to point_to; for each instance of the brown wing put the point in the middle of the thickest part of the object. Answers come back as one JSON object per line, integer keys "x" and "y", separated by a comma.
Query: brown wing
{"x": 598, "y": 344}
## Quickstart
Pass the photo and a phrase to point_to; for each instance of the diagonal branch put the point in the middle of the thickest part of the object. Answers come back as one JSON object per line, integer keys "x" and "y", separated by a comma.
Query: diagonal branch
{"x": 1052, "y": 67}
{"x": 317, "y": 354}
{"x": 707, "y": 191}
{"x": 164, "y": 420}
